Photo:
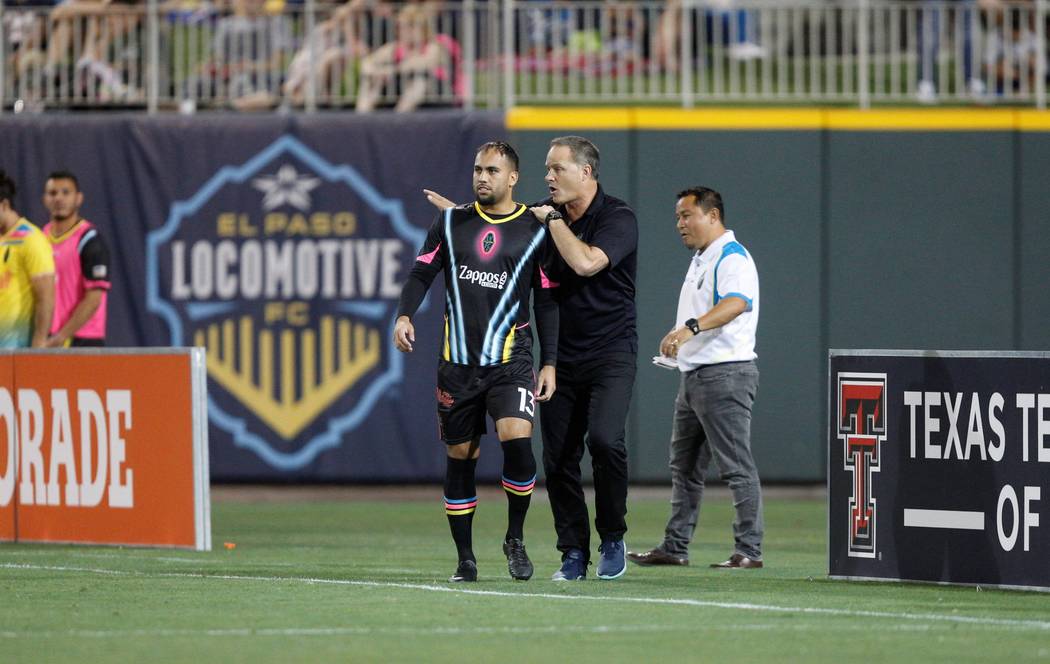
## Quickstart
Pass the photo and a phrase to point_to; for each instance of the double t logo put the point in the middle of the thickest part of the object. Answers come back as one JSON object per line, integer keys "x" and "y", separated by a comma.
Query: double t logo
{"x": 862, "y": 429}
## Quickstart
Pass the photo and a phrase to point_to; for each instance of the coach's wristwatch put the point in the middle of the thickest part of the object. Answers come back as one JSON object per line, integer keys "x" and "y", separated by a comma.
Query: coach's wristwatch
{"x": 693, "y": 326}
{"x": 551, "y": 216}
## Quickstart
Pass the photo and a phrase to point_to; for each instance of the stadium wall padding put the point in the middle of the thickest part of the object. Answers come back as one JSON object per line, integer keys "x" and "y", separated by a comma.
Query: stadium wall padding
{"x": 903, "y": 239}
{"x": 898, "y": 238}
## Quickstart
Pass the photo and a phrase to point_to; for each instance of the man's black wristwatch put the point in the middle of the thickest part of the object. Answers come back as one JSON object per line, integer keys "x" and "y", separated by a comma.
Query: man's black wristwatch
{"x": 552, "y": 215}
{"x": 693, "y": 326}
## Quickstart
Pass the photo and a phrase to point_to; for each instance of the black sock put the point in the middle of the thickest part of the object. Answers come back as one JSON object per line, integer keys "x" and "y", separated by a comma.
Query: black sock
{"x": 461, "y": 499}
{"x": 519, "y": 478}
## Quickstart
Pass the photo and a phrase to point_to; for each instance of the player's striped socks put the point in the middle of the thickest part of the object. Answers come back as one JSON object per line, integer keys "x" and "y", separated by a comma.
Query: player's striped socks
{"x": 461, "y": 499}
{"x": 519, "y": 479}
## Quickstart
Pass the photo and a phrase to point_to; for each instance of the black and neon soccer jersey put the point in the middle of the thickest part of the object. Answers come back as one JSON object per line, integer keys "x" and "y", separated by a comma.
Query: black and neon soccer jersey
{"x": 491, "y": 264}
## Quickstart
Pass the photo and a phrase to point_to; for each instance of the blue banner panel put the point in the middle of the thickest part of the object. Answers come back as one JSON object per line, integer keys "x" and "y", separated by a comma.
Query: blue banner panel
{"x": 280, "y": 244}
{"x": 938, "y": 467}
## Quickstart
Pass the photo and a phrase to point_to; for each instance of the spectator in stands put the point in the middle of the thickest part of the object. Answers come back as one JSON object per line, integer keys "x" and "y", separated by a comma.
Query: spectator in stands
{"x": 1012, "y": 48}
{"x": 248, "y": 53}
{"x": 23, "y": 29}
{"x": 931, "y": 15}
{"x": 665, "y": 37}
{"x": 341, "y": 39}
{"x": 735, "y": 28}
{"x": 82, "y": 265}
{"x": 412, "y": 65}
{"x": 108, "y": 33}
{"x": 27, "y": 276}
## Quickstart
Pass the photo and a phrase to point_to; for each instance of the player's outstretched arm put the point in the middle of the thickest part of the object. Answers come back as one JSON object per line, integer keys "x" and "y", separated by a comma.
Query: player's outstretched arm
{"x": 426, "y": 267}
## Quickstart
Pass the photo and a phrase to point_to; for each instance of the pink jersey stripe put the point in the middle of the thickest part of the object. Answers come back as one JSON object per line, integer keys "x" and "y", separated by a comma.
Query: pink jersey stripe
{"x": 429, "y": 258}
{"x": 545, "y": 281}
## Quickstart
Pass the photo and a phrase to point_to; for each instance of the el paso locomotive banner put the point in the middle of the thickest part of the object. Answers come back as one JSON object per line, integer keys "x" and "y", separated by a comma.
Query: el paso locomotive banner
{"x": 280, "y": 245}
{"x": 104, "y": 446}
{"x": 939, "y": 467}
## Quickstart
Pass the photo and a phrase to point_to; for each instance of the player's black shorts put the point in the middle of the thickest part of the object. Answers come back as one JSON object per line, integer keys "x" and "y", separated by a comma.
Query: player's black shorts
{"x": 465, "y": 394}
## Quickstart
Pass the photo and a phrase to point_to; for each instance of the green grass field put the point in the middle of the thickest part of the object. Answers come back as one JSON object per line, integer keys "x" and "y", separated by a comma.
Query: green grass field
{"x": 360, "y": 580}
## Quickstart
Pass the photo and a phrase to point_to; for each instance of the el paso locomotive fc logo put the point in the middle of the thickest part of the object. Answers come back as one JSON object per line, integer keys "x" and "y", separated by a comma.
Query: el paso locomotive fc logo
{"x": 287, "y": 268}
{"x": 862, "y": 429}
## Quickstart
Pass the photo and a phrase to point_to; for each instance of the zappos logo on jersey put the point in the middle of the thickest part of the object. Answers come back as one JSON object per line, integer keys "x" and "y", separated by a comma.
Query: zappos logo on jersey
{"x": 287, "y": 268}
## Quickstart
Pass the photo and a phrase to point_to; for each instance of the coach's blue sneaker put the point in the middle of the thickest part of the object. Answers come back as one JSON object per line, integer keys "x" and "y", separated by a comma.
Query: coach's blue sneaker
{"x": 613, "y": 561}
{"x": 573, "y": 567}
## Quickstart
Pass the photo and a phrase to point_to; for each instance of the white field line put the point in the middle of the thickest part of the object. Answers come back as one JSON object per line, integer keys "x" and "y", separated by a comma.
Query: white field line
{"x": 438, "y": 631}
{"x": 133, "y": 555}
{"x": 739, "y": 606}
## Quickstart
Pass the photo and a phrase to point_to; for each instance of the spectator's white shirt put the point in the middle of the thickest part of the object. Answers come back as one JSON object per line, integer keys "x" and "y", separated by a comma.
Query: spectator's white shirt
{"x": 724, "y": 269}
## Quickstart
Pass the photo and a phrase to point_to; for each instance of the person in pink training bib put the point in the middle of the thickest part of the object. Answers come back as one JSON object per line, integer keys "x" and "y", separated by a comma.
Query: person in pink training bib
{"x": 81, "y": 266}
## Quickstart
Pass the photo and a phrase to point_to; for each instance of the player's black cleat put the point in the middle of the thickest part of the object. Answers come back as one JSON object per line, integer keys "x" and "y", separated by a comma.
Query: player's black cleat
{"x": 466, "y": 571}
{"x": 518, "y": 563}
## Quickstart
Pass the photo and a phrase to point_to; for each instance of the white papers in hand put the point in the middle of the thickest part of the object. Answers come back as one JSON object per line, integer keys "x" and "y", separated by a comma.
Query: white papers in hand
{"x": 665, "y": 362}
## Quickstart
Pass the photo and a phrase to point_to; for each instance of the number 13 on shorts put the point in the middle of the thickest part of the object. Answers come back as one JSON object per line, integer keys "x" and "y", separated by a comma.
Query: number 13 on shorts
{"x": 527, "y": 402}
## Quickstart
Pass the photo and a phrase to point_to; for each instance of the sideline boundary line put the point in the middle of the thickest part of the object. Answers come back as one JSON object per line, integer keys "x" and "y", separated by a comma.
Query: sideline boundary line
{"x": 742, "y": 606}
{"x": 443, "y": 631}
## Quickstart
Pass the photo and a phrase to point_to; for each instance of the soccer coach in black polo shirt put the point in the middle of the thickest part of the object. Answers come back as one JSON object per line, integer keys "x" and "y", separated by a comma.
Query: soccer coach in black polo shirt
{"x": 596, "y": 236}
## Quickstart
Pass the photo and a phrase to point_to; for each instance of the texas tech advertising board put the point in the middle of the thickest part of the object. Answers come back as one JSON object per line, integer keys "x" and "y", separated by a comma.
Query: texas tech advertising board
{"x": 939, "y": 467}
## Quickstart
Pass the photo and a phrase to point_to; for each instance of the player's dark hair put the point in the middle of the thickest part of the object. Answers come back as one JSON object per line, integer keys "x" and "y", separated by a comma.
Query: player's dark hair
{"x": 505, "y": 149}
{"x": 7, "y": 188}
{"x": 584, "y": 153}
{"x": 706, "y": 199}
{"x": 65, "y": 175}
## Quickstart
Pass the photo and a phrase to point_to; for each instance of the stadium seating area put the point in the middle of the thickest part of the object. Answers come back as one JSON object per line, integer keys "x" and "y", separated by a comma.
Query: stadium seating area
{"x": 365, "y": 54}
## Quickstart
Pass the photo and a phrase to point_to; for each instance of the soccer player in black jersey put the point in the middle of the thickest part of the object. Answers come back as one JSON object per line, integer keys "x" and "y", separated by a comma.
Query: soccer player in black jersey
{"x": 490, "y": 252}
{"x": 595, "y": 241}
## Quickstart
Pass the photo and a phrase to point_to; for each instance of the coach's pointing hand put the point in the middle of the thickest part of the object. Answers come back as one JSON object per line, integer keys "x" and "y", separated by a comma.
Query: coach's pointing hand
{"x": 437, "y": 200}
{"x": 404, "y": 334}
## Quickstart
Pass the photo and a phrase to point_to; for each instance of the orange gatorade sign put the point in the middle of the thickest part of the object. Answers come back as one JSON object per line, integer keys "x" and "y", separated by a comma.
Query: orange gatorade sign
{"x": 8, "y": 460}
{"x": 104, "y": 447}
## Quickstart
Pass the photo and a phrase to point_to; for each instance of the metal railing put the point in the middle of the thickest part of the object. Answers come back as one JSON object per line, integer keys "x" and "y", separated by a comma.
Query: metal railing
{"x": 190, "y": 54}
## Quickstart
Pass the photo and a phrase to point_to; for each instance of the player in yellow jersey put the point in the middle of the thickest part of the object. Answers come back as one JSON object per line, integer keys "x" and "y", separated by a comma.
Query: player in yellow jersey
{"x": 27, "y": 276}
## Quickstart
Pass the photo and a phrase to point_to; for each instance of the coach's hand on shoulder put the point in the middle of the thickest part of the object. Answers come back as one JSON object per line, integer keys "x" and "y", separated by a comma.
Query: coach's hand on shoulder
{"x": 404, "y": 334}
{"x": 546, "y": 384}
{"x": 541, "y": 212}
{"x": 437, "y": 200}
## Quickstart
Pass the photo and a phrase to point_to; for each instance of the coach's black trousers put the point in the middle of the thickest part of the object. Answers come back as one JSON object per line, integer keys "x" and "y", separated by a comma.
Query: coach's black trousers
{"x": 589, "y": 407}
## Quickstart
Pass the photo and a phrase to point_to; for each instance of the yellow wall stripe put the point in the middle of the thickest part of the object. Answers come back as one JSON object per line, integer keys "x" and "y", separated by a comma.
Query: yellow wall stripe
{"x": 1032, "y": 120}
{"x": 729, "y": 118}
{"x": 922, "y": 120}
{"x": 525, "y": 117}
{"x": 765, "y": 119}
